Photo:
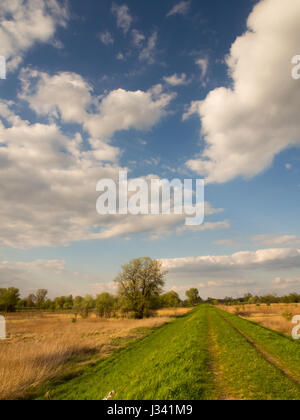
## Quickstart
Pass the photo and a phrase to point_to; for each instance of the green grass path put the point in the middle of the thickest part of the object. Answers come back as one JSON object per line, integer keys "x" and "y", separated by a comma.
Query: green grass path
{"x": 171, "y": 363}
{"x": 244, "y": 372}
{"x": 203, "y": 355}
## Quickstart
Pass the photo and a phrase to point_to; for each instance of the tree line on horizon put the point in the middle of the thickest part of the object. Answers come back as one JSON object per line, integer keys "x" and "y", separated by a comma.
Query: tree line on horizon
{"x": 140, "y": 294}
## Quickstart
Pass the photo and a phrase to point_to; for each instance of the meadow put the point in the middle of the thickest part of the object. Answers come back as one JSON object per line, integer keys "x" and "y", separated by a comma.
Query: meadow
{"x": 43, "y": 345}
{"x": 208, "y": 354}
{"x": 276, "y": 316}
{"x": 202, "y": 354}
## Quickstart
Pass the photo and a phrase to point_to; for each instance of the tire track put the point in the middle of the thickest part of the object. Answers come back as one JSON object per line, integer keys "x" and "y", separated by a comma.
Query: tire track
{"x": 269, "y": 358}
{"x": 213, "y": 348}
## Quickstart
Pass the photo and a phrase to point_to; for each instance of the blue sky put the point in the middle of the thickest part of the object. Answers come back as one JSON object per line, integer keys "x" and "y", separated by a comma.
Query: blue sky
{"x": 96, "y": 86}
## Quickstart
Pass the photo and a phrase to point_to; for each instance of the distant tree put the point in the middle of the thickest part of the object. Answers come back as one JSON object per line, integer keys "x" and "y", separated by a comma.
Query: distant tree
{"x": 247, "y": 297}
{"x": 48, "y": 305}
{"x": 21, "y": 304}
{"x": 77, "y": 304}
{"x": 59, "y": 302}
{"x": 193, "y": 297}
{"x": 86, "y": 305}
{"x": 77, "y": 300}
{"x": 9, "y": 299}
{"x": 170, "y": 300}
{"x": 268, "y": 299}
{"x": 105, "y": 304}
{"x": 41, "y": 295}
{"x": 69, "y": 302}
{"x": 253, "y": 300}
{"x": 124, "y": 306}
{"x": 139, "y": 281}
{"x": 30, "y": 301}
{"x": 89, "y": 301}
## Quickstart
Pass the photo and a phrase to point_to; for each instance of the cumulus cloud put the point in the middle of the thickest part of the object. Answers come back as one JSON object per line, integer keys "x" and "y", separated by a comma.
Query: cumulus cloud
{"x": 124, "y": 19}
{"x": 265, "y": 259}
{"x": 57, "y": 205}
{"x": 48, "y": 188}
{"x": 176, "y": 79}
{"x": 246, "y": 125}
{"x": 69, "y": 97}
{"x": 180, "y": 8}
{"x": 24, "y": 23}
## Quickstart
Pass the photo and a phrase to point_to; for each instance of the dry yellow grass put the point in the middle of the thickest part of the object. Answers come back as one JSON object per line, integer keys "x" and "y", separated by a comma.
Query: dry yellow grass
{"x": 269, "y": 316}
{"x": 39, "y": 345}
{"x": 173, "y": 312}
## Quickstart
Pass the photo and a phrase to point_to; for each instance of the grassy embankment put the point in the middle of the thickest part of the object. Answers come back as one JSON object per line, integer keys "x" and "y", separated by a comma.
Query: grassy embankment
{"x": 207, "y": 354}
{"x": 41, "y": 346}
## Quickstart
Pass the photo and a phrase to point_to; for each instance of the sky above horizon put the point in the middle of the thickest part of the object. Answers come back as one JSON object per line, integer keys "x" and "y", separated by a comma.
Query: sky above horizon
{"x": 173, "y": 89}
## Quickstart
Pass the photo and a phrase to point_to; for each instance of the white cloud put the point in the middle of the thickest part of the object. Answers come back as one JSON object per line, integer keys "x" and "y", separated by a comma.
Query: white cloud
{"x": 106, "y": 38}
{"x": 138, "y": 38}
{"x": 180, "y": 8}
{"x": 148, "y": 53}
{"x": 203, "y": 64}
{"x": 265, "y": 259}
{"x": 245, "y": 126}
{"x": 48, "y": 188}
{"x": 24, "y": 23}
{"x": 176, "y": 79}
{"x": 277, "y": 240}
{"x": 52, "y": 275}
{"x": 70, "y": 97}
{"x": 57, "y": 206}
{"x": 206, "y": 226}
{"x": 48, "y": 185}
{"x": 156, "y": 226}
{"x": 287, "y": 282}
{"x": 124, "y": 19}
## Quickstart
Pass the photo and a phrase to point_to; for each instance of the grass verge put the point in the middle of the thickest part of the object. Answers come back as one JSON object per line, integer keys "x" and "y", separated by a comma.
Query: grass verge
{"x": 245, "y": 372}
{"x": 284, "y": 349}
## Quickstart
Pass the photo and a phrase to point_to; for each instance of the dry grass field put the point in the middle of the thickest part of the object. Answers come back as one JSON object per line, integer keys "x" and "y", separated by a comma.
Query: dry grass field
{"x": 39, "y": 345}
{"x": 277, "y": 316}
